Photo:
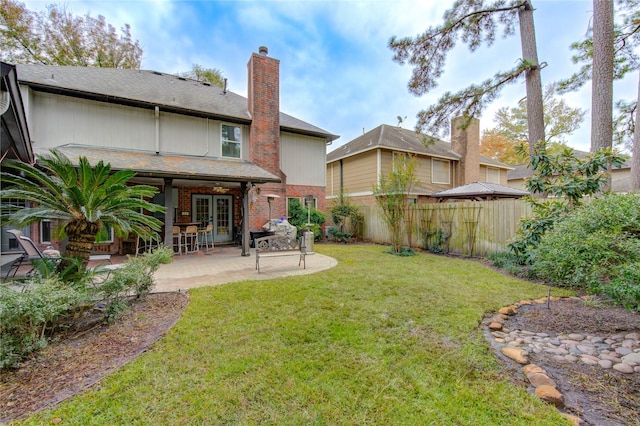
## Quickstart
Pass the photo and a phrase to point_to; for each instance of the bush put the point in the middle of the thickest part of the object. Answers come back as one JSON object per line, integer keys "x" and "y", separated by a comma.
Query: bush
{"x": 595, "y": 248}
{"x": 298, "y": 217}
{"x": 136, "y": 278}
{"x": 28, "y": 316}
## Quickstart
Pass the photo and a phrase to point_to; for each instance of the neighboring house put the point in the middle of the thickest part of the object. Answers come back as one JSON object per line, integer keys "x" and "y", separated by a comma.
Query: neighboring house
{"x": 356, "y": 167}
{"x": 620, "y": 177}
{"x": 210, "y": 152}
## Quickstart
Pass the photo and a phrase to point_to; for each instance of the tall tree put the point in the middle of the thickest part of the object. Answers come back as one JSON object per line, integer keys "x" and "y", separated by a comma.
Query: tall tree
{"x": 209, "y": 75}
{"x": 626, "y": 39}
{"x": 83, "y": 200}
{"x": 477, "y": 22}
{"x": 57, "y": 37}
{"x": 602, "y": 82}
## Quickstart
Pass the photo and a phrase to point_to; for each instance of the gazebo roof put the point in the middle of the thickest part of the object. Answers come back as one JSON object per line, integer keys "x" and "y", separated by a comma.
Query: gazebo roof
{"x": 480, "y": 191}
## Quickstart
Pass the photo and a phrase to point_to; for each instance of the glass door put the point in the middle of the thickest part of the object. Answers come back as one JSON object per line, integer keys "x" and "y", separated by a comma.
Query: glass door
{"x": 215, "y": 209}
{"x": 223, "y": 218}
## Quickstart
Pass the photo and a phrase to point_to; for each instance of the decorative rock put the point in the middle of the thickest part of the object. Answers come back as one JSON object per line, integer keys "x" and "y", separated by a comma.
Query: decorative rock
{"x": 632, "y": 336}
{"x": 550, "y": 394}
{"x": 507, "y": 310}
{"x": 623, "y": 351}
{"x": 540, "y": 379}
{"x": 532, "y": 368}
{"x": 633, "y": 359}
{"x": 589, "y": 360}
{"x": 516, "y": 354}
{"x": 623, "y": 368}
{"x": 574, "y": 420}
{"x": 495, "y": 326}
{"x": 571, "y": 358}
{"x": 577, "y": 337}
{"x": 605, "y": 363}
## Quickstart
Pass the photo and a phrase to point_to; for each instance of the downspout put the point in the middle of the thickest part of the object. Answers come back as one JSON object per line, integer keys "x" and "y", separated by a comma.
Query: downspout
{"x": 157, "y": 136}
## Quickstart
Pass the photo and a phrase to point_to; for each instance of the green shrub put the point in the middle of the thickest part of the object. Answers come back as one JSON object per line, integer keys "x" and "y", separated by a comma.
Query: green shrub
{"x": 595, "y": 248}
{"x": 337, "y": 235}
{"x": 299, "y": 216}
{"x": 135, "y": 278}
{"x": 625, "y": 287}
{"x": 28, "y": 316}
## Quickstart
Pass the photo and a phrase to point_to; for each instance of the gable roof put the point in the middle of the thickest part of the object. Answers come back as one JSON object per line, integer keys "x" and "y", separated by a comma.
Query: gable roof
{"x": 148, "y": 89}
{"x": 399, "y": 139}
{"x": 481, "y": 190}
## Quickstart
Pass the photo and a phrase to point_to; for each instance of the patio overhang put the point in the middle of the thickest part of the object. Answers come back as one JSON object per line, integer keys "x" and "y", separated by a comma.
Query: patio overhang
{"x": 153, "y": 168}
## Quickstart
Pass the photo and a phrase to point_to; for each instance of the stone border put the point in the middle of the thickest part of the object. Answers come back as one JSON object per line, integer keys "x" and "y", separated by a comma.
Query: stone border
{"x": 617, "y": 352}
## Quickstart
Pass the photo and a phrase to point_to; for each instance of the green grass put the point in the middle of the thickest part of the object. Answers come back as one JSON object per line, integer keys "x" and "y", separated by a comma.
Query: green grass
{"x": 379, "y": 339}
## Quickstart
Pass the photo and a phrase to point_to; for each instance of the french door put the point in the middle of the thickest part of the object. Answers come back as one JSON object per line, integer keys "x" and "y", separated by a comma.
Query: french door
{"x": 217, "y": 210}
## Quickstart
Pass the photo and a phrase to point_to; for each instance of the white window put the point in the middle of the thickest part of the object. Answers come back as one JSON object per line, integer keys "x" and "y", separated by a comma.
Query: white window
{"x": 440, "y": 172}
{"x": 45, "y": 232}
{"x": 231, "y": 141}
{"x": 493, "y": 175}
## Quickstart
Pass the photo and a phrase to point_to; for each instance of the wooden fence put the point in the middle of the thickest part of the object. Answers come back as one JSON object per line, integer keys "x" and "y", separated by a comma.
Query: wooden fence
{"x": 467, "y": 228}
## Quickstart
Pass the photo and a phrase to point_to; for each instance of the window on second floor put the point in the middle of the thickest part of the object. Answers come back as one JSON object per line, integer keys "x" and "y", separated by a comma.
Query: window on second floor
{"x": 440, "y": 172}
{"x": 231, "y": 141}
{"x": 493, "y": 175}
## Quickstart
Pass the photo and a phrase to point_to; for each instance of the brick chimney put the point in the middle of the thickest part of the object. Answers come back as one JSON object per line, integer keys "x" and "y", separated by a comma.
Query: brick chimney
{"x": 264, "y": 134}
{"x": 466, "y": 143}
{"x": 264, "y": 107}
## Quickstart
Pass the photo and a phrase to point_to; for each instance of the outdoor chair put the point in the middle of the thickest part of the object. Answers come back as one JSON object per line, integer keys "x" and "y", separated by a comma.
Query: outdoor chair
{"x": 190, "y": 238}
{"x": 146, "y": 243}
{"x": 31, "y": 253}
{"x": 206, "y": 236}
{"x": 176, "y": 236}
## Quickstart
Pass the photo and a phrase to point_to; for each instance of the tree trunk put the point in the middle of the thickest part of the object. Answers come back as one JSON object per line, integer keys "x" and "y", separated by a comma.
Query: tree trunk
{"x": 602, "y": 81}
{"x": 635, "y": 150}
{"x": 81, "y": 236}
{"x": 535, "y": 115}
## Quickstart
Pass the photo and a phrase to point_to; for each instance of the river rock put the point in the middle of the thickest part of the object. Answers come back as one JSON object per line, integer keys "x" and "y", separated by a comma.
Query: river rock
{"x": 516, "y": 354}
{"x": 550, "y": 394}
{"x": 623, "y": 368}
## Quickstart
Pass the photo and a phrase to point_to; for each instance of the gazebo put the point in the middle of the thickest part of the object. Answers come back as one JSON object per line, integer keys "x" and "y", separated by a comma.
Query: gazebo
{"x": 479, "y": 191}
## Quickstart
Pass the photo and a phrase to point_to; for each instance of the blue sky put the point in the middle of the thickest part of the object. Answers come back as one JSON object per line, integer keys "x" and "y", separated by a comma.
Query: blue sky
{"x": 336, "y": 70}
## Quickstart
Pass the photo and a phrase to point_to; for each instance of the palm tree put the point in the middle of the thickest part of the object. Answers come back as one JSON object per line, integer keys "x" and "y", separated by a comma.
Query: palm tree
{"x": 82, "y": 199}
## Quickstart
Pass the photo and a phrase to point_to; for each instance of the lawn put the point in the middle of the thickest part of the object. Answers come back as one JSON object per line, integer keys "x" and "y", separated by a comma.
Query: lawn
{"x": 379, "y": 339}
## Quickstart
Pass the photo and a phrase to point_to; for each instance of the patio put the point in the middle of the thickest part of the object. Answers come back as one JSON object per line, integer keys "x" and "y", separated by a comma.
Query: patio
{"x": 225, "y": 264}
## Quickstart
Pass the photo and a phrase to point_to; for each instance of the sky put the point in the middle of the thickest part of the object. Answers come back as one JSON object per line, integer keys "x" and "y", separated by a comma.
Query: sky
{"x": 336, "y": 70}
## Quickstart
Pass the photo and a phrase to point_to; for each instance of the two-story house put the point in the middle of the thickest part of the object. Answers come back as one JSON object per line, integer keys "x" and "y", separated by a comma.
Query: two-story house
{"x": 356, "y": 167}
{"x": 210, "y": 152}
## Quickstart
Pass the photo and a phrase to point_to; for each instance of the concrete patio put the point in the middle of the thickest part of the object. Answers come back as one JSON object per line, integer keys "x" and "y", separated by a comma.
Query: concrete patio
{"x": 224, "y": 264}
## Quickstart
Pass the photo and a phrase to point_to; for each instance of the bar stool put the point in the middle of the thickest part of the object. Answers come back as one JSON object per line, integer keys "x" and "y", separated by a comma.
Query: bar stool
{"x": 206, "y": 233}
{"x": 190, "y": 238}
{"x": 176, "y": 241}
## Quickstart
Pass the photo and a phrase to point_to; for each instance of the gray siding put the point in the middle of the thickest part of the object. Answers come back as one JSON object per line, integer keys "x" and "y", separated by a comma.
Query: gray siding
{"x": 301, "y": 159}
{"x": 59, "y": 120}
